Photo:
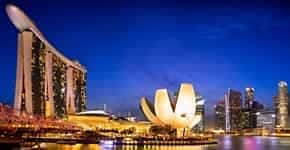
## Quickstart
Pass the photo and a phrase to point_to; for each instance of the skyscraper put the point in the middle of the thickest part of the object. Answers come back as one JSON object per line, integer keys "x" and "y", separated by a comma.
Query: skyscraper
{"x": 220, "y": 115}
{"x": 47, "y": 82}
{"x": 281, "y": 105}
{"x": 233, "y": 109}
{"x": 246, "y": 118}
{"x": 256, "y": 107}
{"x": 199, "y": 111}
{"x": 249, "y": 97}
{"x": 249, "y": 117}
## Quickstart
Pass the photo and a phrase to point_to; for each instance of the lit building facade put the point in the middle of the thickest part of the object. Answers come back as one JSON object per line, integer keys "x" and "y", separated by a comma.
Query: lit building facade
{"x": 281, "y": 105}
{"x": 102, "y": 121}
{"x": 246, "y": 118}
{"x": 220, "y": 115}
{"x": 200, "y": 107}
{"x": 181, "y": 114}
{"x": 47, "y": 83}
{"x": 256, "y": 107}
{"x": 251, "y": 107}
{"x": 249, "y": 97}
{"x": 233, "y": 109}
{"x": 249, "y": 117}
{"x": 266, "y": 119}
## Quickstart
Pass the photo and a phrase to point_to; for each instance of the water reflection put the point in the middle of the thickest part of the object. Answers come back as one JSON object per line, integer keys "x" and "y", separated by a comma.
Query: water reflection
{"x": 225, "y": 143}
{"x": 253, "y": 143}
{"x": 52, "y": 146}
{"x": 158, "y": 148}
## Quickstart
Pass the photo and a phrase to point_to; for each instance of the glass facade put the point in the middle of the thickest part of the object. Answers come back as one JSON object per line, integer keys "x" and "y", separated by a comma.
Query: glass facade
{"x": 199, "y": 111}
{"x": 281, "y": 105}
{"x": 249, "y": 97}
{"x": 220, "y": 115}
{"x": 249, "y": 117}
{"x": 256, "y": 107}
{"x": 266, "y": 120}
{"x": 246, "y": 118}
{"x": 235, "y": 108}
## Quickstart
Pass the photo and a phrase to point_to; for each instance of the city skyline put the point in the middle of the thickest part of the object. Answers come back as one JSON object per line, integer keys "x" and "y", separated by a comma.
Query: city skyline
{"x": 134, "y": 57}
{"x": 82, "y": 75}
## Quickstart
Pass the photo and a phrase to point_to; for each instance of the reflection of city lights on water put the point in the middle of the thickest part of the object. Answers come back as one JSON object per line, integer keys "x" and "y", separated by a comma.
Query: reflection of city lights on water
{"x": 274, "y": 142}
{"x": 227, "y": 141}
{"x": 259, "y": 140}
{"x": 107, "y": 144}
{"x": 284, "y": 142}
{"x": 250, "y": 142}
{"x": 264, "y": 139}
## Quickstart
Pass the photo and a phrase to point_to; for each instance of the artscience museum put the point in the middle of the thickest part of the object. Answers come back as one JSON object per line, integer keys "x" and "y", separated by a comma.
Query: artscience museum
{"x": 165, "y": 112}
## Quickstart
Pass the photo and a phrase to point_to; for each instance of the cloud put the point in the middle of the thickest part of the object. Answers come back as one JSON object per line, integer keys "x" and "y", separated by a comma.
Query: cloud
{"x": 239, "y": 20}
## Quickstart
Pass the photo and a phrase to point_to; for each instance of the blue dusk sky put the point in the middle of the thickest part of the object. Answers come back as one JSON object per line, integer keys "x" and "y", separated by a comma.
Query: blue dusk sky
{"x": 131, "y": 48}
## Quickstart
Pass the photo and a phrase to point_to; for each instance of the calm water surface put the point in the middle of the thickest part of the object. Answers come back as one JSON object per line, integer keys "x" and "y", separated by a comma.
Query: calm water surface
{"x": 225, "y": 143}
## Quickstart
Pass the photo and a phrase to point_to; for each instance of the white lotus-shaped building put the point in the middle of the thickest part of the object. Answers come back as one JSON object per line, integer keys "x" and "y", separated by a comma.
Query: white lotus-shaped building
{"x": 177, "y": 115}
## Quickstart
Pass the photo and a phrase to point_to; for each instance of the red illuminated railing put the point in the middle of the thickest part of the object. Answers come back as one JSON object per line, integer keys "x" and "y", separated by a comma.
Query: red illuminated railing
{"x": 9, "y": 120}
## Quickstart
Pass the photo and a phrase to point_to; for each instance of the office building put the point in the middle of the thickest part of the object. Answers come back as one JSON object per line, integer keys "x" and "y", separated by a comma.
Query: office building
{"x": 250, "y": 109}
{"x": 256, "y": 107}
{"x": 249, "y": 97}
{"x": 246, "y": 118}
{"x": 281, "y": 105}
{"x": 266, "y": 119}
{"x": 233, "y": 109}
{"x": 220, "y": 115}
{"x": 200, "y": 111}
{"x": 47, "y": 83}
{"x": 249, "y": 117}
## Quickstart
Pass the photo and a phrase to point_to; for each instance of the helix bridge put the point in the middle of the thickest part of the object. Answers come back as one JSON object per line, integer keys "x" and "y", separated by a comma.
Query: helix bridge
{"x": 31, "y": 128}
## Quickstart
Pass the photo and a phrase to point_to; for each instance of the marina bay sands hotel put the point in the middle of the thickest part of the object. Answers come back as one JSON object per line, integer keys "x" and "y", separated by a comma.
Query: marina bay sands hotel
{"x": 48, "y": 84}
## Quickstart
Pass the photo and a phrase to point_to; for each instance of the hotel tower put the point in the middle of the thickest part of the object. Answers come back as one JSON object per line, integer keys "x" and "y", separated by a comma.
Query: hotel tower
{"x": 48, "y": 84}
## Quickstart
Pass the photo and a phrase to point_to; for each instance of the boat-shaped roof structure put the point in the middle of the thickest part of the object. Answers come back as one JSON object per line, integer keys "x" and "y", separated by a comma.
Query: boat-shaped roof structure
{"x": 22, "y": 22}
